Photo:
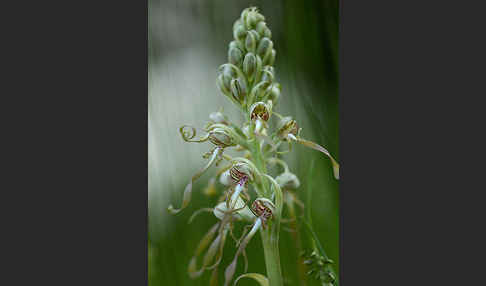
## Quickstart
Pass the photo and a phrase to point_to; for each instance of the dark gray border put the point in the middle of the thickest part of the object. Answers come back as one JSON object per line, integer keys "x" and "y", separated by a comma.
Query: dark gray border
{"x": 79, "y": 148}
{"x": 409, "y": 119}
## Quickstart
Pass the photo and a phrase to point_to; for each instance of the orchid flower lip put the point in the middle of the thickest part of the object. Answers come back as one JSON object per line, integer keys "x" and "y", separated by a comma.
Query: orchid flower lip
{"x": 258, "y": 223}
{"x": 258, "y": 125}
{"x": 236, "y": 195}
{"x": 243, "y": 181}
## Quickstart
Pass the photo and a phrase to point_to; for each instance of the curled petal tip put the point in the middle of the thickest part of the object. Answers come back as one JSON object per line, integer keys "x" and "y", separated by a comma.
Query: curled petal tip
{"x": 171, "y": 210}
{"x": 186, "y": 199}
{"x": 188, "y": 135}
{"x": 335, "y": 168}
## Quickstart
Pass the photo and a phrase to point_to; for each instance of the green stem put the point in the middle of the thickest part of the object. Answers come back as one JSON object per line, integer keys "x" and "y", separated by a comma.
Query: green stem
{"x": 258, "y": 156}
{"x": 272, "y": 256}
{"x": 259, "y": 161}
{"x": 271, "y": 233}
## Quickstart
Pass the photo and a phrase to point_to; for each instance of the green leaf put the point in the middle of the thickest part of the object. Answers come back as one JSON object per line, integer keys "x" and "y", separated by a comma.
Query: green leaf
{"x": 258, "y": 277}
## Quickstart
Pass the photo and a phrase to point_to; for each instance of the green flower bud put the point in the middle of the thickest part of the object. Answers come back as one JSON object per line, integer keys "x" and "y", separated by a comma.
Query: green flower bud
{"x": 270, "y": 59}
{"x": 220, "y": 137}
{"x": 259, "y": 70}
{"x": 288, "y": 180}
{"x": 235, "y": 56}
{"x": 228, "y": 73}
{"x": 238, "y": 89}
{"x": 260, "y": 110}
{"x": 259, "y": 16}
{"x": 218, "y": 117}
{"x": 251, "y": 21}
{"x": 274, "y": 93}
{"x": 244, "y": 14}
{"x": 239, "y": 32}
{"x": 287, "y": 126}
{"x": 220, "y": 82}
{"x": 225, "y": 74}
{"x": 251, "y": 41}
{"x": 267, "y": 74}
{"x": 263, "y": 30}
{"x": 251, "y": 17}
{"x": 236, "y": 44}
{"x": 249, "y": 65}
{"x": 237, "y": 23}
{"x": 265, "y": 48}
{"x": 258, "y": 90}
{"x": 251, "y": 10}
{"x": 260, "y": 28}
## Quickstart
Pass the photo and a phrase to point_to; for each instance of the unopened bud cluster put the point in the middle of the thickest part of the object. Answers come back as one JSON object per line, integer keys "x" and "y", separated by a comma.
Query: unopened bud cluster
{"x": 248, "y": 77}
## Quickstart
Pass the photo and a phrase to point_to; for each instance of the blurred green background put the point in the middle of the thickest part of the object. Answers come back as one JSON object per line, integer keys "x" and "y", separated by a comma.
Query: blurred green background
{"x": 188, "y": 40}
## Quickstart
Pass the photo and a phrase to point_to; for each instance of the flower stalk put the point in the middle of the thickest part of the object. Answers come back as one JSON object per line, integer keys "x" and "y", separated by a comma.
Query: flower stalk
{"x": 272, "y": 256}
{"x": 248, "y": 80}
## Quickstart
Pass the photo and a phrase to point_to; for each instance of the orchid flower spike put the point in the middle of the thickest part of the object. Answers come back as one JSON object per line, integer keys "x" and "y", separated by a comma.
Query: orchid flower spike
{"x": 249, "y": 81}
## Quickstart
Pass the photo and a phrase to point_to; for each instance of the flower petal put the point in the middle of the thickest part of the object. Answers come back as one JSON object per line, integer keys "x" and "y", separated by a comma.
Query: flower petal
{"x": 188, "y": 190}
{"x": 315, "y": 146}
